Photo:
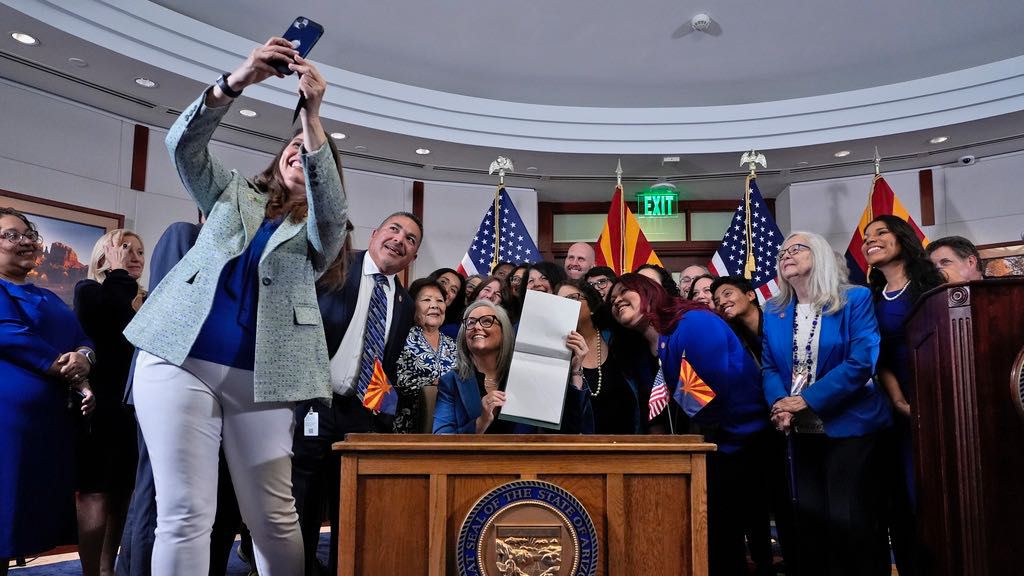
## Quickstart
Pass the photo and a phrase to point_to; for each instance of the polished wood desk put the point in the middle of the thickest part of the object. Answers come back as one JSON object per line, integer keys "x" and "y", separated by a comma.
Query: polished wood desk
{"x": 404, "y": 497}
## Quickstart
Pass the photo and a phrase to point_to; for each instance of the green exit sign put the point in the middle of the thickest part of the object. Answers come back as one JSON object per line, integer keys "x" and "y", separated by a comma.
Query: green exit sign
{"x": 656, "y": 203}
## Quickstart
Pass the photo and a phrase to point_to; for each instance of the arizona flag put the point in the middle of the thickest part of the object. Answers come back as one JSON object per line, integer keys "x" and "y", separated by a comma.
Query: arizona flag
{"x": 882, "y": 201}
{"x": 505, "y": 235}
{"x": 380, "y": 395}
{"x": 693, "y": 394}
{"x": 622, "y": 245}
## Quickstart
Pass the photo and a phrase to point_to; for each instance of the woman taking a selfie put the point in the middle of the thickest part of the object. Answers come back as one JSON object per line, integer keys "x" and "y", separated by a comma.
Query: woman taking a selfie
{"x": 233, "y": 336}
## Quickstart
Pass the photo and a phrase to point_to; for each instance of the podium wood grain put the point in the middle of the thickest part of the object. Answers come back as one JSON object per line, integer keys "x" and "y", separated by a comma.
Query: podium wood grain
{"x": 404, "y": 497}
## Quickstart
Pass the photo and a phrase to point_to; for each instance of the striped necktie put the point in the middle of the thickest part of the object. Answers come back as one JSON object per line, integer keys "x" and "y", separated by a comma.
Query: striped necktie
{"x": 373, "y": 341}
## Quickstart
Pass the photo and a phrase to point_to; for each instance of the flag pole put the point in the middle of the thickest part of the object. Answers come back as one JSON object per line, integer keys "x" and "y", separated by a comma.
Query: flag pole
{"x": 502, "y": 165}
{"x": 752, "y": 159}
{"x": 622, "y": 219}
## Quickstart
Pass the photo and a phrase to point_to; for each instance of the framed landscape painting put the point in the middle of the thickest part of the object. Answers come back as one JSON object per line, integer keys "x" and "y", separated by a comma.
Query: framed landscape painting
{"x": 69, "y": 233}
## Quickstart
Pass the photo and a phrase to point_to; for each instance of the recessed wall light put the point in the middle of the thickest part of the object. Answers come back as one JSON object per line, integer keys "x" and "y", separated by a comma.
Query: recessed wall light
{"x": 26, "y": 39}
{"x": 338, "y": 136}
{"x": 531, "y": 168}
{"x": 360, "y": 148}
{"x": 938, "y": 139}
{"x": 78, "y": 62}
{"x": 422, "y": 151}
{"x": 802, "y": 163}
{"x": 146, "y": 82}
{"x": 248, "y": 113}
{"x": 842, "y": 154}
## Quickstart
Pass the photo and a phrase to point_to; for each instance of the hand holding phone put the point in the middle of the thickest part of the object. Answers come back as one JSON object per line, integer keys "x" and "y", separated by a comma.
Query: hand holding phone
{"x": 303, "y": 34}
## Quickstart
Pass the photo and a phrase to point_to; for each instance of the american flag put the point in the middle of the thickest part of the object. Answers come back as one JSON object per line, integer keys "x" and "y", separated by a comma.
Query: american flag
{"x": 764, "y": 239}
{"x": 512, "y": 240}
{"x": 659, "y": 395}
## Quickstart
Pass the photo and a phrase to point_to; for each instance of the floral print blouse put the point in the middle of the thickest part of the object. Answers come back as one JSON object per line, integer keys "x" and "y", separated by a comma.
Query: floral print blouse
{"x": 419, "y": 365}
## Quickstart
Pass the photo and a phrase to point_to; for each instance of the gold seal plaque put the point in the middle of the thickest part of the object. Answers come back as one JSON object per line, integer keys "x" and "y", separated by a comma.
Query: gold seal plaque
{"x": 527, "y": 528}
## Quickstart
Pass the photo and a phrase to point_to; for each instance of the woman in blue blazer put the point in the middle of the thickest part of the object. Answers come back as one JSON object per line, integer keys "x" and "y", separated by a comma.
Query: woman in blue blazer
{"x": 470, "y": 397}
{"x": 820, "y": 348}
{"x": 674, "y": 330}
{"x": 233, "y": 336}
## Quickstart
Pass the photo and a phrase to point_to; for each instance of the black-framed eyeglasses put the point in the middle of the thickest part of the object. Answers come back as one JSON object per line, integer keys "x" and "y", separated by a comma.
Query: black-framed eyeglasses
{"x": 599, "y": 284}
{"x": 577, "y": 296}
{"x": 483, "y": 321}
{"x": 515, "y": 280}
{"x": 14, "y": 237}
{"x": 792, "y": 251}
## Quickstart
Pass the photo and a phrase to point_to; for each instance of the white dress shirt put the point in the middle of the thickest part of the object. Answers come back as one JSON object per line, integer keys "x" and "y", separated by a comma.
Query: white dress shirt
{"x": 346, "y": 362}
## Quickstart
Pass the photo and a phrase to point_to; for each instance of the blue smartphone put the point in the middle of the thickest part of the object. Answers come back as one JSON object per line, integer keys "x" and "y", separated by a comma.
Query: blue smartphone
{"x": 306, "y": 33}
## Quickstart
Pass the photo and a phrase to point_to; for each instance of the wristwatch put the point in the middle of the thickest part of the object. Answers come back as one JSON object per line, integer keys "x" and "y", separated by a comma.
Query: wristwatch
{"x": 89, "y": 355}
{"x": 222, "y": 81}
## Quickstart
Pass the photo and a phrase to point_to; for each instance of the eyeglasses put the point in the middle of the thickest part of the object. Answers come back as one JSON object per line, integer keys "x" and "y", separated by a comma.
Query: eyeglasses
{"x": 483, "y": 321}
{"x": 792, "y": 250}
{"x": 599, "y": 283}
{"x": 577, "y": 296}
{"x": 14, "y": 237}
{"x": 516, "y": 280}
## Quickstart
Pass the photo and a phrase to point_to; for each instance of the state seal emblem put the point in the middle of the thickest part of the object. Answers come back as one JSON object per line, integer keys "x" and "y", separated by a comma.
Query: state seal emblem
{"x": 527, "y": 528}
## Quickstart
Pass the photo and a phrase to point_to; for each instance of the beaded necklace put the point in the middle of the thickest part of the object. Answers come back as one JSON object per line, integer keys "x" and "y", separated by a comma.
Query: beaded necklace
{"x": 594, "y": 393}
{"x": 802, "y": 368}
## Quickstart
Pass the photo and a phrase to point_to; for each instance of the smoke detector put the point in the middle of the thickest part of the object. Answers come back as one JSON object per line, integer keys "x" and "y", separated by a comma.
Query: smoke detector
{"x": 701, "y": 22}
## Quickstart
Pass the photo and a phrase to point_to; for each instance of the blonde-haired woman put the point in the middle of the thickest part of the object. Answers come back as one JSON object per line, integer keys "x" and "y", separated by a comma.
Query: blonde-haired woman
{"x": 107, "y": 450}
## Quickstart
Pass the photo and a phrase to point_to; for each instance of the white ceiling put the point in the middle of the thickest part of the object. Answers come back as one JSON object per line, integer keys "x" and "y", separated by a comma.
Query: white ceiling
{"x": 570, "y": 87}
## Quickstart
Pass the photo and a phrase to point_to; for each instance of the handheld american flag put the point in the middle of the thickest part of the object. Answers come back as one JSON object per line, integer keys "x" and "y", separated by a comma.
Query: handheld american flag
{"x": 659, "y": 395}
{"x": 751, "y": 244}
{"x": 506, "y": 235}
{"x": 881, "y": 201}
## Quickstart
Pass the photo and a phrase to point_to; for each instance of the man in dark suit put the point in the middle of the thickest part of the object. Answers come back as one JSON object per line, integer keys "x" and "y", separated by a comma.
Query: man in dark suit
{"x": 345, "y": 310}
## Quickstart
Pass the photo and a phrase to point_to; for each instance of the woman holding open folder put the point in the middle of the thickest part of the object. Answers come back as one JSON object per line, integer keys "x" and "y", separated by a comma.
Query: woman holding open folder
{"x": 470, "y": 397}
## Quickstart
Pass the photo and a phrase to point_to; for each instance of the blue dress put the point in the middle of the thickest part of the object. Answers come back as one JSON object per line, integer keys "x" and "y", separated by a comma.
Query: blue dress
{"x": 36, "y": 460}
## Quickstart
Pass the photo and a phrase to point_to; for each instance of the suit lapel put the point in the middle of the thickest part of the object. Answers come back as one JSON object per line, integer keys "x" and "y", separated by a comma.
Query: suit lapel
{"x": 284, "y": 232}
{"x": 828, "y": 341}
{"x": 469, "y": 393}
{"x": 251, "y": 206}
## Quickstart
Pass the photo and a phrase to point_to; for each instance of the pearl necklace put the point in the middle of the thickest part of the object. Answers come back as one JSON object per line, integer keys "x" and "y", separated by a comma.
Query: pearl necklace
{"x": 594, "y": 393}
{"x": 898, "y": 294}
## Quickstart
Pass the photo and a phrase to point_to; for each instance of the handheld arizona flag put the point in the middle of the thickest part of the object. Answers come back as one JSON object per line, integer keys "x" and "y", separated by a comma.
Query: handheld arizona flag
{"x": 622, "y": 245}
{"x": 881, "y": 201}
{"x": 751, "y": 244}
{"x": 380, "y": 395}
{"x": 693, "y": 394}
{"x": 504, "y": 238}
{"x": 659, "y": 395}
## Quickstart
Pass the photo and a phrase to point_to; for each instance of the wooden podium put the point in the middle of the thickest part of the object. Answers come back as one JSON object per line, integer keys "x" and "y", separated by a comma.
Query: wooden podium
{"x": 967, "y": 347}
{"x": 404, "y": 497}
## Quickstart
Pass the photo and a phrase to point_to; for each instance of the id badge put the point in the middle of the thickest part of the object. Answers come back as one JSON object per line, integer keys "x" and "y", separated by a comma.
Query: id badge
{"x": 311, "y": 423}
{"x": 799, "y": 382}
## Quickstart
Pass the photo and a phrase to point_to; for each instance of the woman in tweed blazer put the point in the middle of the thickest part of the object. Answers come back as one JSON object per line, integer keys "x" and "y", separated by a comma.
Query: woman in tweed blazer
{"x": 232, "y": 336}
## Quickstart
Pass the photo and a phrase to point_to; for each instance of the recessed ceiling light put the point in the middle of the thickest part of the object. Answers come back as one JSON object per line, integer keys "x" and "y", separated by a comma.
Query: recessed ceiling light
{"x": 25, "y": 39}
{"x": 145, "y": 82}
{"x": 531, "y": 168}
{"x": 842, "y": 154}
{"x": 938, "y": 140}
{"x": 338, "y": 136}
{"x": 422, "y": 151}
{"x": 360, "y": 148}
{"x": 802, "y": 163}
{"x": 248, "y": 113}
{"x": 78, "y": 62}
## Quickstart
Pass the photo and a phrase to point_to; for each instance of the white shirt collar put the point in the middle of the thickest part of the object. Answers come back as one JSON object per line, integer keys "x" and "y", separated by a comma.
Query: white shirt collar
{"x": 370, "y": 268}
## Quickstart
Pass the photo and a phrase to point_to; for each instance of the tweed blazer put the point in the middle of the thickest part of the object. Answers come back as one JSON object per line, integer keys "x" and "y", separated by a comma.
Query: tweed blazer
{"x": 291, "y": 351}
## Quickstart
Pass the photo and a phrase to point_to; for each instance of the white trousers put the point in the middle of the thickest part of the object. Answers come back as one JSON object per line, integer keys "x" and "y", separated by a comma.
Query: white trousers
{"x": 186, "y": 413}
